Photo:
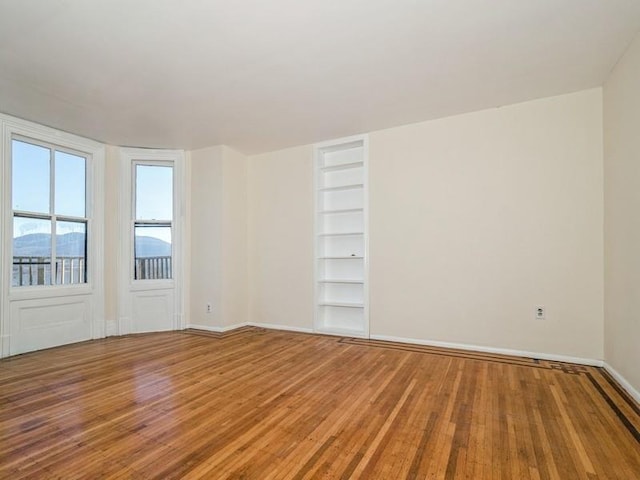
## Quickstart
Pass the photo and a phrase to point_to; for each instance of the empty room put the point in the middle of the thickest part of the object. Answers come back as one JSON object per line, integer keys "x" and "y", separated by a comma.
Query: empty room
{"x": 320, "y": 239}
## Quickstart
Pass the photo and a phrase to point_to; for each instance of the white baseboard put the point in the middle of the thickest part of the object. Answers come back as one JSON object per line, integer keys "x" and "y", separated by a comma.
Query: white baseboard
{"x": 635, "y": 394}
{"x": 431, "y": 343}
{"x": 223, "y": 329}
{"x": 273, "y": 326}
{"x": 270, "y": 326}
{"x": 501, "y": 351}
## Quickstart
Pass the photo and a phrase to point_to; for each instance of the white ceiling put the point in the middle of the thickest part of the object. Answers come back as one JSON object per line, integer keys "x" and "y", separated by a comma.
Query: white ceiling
{"x": 261, "y": 75}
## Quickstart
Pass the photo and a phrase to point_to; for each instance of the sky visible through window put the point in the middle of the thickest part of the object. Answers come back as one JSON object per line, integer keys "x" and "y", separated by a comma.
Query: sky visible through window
{"x": 154, "y": 199}
{"x": 31, "y": 188}
{"x": 31, "y": 177}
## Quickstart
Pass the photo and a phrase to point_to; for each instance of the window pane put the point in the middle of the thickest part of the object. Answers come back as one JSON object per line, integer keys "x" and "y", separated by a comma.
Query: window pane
{"x": 30, "y": 169}
{"x": 71, "y": 252}
{"x": 70, "y": 184}
{"x": 31, "y": 252}
{"x": 154, "y": 192}
{"x": 152, "y": 252}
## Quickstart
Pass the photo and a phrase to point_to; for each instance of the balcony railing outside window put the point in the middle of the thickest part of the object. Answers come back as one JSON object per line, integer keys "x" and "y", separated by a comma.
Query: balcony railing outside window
{"x": 29, "y": 271}
{"x": 153, "y": 268}
{"x": 37, "y": 271}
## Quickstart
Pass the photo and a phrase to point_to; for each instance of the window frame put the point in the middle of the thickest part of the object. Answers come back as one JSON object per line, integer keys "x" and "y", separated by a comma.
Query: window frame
{"x": 52, "y": 216}
{"x": 149, "y": 156}
{"x": 151, "y": 222}
{"x": 94, "y": 152}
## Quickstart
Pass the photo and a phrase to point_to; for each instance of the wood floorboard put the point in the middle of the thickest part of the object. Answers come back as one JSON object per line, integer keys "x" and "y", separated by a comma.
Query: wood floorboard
{"x": 268, "y": 405}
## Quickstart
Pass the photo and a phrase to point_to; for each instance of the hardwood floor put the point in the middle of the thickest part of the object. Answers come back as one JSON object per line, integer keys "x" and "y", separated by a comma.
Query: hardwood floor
{"x": 262, "y": 404}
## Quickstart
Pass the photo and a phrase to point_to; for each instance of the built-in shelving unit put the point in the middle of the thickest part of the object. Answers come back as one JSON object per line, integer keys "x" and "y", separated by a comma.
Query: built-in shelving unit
{"x": 341, "y": 237}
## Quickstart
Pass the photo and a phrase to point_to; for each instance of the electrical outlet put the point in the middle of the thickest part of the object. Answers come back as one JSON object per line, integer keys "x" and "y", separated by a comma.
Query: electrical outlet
{"x": 541, "y": 312}
{"x": 209, "y": 308}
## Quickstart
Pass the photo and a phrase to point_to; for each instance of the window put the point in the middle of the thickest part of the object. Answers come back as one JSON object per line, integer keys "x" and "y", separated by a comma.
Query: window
{"x": 49, "y": 191}
{"x": 150, "y": 293}
{"x": 153, "y": 218}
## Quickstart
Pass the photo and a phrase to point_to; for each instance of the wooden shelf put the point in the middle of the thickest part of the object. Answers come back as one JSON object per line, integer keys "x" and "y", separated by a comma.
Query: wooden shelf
{"x": 342, "y": 166}
{"x": 352, "y": 186}
{"x": 341, "y": 304}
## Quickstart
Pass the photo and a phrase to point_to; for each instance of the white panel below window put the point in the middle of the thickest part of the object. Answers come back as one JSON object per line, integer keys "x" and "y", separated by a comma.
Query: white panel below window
{"x": 45, "y": 323}
{"x": 152, "y": 311}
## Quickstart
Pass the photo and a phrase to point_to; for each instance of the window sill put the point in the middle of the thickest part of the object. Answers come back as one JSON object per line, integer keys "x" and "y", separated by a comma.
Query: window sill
{"x": 31, "y": 293}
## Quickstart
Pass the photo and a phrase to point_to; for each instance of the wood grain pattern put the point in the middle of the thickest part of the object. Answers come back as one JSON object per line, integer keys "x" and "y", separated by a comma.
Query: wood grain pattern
{"x": 261, "y": 404}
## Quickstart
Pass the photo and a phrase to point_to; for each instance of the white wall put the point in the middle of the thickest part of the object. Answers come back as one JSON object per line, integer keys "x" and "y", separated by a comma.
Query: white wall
{"x": 206, "y": 237}
{"x": 478, "y": 218}
{"x": 218, "y": 251}
{"x": 281, "y": 238}
{"x": 622, "y": 216}
{"x": 111, "y": 237}
{"x": 235, "y": 288}
{"x": 474, "y": 220}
